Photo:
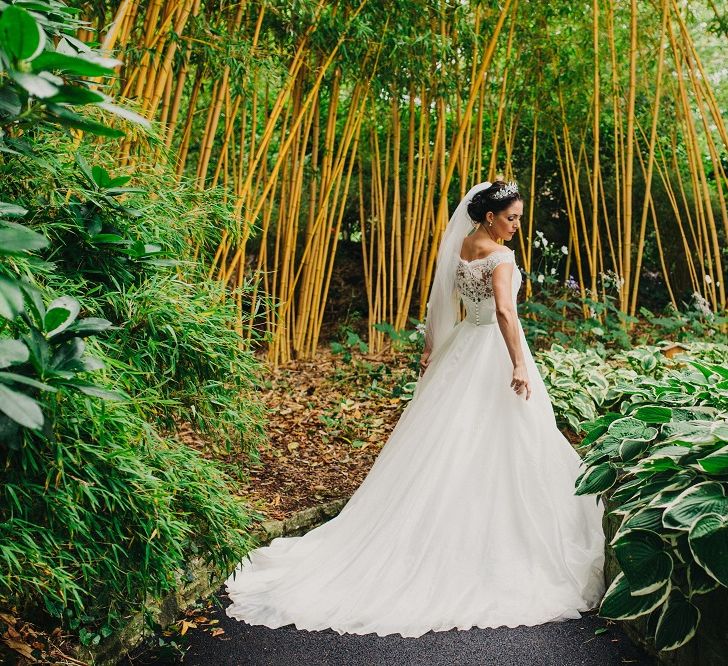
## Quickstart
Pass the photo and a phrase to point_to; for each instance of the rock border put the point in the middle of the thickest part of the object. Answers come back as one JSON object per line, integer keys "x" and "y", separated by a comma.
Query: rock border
{"x": 197, "y": 581}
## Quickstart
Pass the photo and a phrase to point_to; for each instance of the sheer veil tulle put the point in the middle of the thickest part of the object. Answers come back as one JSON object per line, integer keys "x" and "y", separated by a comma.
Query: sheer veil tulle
{"x": 443, "y": 307}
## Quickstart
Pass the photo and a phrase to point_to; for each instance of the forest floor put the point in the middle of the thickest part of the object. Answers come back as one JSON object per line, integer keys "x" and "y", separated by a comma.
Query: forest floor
{"x": 328, "y": 421}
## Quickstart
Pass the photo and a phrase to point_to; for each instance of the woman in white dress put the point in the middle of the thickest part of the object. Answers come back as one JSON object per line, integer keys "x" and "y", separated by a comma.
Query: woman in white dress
{"x": 468, "y": 516}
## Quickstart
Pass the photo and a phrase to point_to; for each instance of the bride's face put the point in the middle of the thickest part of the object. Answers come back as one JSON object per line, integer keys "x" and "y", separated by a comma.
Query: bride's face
{"x": 508, "y": 221}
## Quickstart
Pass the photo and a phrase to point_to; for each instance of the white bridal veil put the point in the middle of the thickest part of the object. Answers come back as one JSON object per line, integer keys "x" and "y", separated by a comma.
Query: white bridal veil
{"x": 443, "y": 307}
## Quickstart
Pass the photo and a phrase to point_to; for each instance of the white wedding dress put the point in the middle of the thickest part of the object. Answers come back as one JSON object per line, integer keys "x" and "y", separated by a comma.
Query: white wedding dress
{"x": 467, "y": 518}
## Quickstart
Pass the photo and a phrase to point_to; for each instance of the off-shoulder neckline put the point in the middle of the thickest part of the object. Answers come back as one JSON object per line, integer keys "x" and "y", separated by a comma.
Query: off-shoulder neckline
{"x": 487, "y": 256}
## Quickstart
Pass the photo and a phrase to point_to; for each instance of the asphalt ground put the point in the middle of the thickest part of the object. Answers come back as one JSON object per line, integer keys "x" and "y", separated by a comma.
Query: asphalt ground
{"x": 589, "y": 641}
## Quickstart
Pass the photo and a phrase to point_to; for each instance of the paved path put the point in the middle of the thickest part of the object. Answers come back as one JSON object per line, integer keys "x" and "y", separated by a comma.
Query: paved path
{"x": 570, "y": 643}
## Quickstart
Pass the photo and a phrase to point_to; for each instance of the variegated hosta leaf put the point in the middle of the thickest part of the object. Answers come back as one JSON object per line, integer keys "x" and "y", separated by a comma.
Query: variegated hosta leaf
{"x": 642, "y": 556}
{"x": 597, "y": 479}
{"x": 708, "y": 539}
{"x": 619, "y": 604}
{"x": 631, "y": 448}
{"x": 693, "y": 503}
{"x": 658, "y": 491}
{"x": 678, "y": 622}
{"x": 699, "y": 581}
{"x": 629, "y": 427}
{"x": 716, "y": 462}
{"x": 649, "y": 518}
{"x": 696, "y": 431}
{"x": 653, "y": 414}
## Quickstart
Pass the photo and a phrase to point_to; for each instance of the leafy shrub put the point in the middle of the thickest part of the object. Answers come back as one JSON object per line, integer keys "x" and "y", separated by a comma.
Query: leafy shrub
{"x": 661, "y": 461}
{"x": 98, "y": 509}
{"x": 106, "y": 512}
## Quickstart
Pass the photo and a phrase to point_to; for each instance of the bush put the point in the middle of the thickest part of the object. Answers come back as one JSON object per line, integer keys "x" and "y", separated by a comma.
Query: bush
{"x": 660, "y": 458}
{"x": 110, "y": 337}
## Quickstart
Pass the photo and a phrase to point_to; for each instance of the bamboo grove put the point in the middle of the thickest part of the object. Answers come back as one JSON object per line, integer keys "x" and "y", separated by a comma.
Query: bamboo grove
{"x": 364, "y": 122}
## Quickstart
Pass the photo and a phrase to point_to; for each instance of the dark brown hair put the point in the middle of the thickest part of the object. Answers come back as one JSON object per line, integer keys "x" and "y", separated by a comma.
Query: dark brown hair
{"x": 482, "y": 201}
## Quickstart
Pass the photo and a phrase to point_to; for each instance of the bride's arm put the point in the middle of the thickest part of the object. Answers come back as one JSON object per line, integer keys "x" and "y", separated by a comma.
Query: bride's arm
{"x": 508, "y": 322}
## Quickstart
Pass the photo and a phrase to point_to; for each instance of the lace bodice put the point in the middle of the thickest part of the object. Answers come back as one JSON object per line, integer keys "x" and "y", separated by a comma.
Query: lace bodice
{"x": 474, "y": 284}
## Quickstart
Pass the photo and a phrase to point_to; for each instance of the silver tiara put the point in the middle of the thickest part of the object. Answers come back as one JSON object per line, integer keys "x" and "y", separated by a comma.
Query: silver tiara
{"x": 510, "y": 188}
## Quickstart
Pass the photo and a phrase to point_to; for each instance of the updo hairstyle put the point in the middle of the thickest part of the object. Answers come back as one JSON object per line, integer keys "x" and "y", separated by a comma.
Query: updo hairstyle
{"x": 482, "y": 201}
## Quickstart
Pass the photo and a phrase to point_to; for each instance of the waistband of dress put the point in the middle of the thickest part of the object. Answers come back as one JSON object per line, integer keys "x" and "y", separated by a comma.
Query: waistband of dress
{"x": 480, "y": 323}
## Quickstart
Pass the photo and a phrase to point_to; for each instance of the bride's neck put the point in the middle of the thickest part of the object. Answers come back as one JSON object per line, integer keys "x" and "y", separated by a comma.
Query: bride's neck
{"x": 484, "y": 232}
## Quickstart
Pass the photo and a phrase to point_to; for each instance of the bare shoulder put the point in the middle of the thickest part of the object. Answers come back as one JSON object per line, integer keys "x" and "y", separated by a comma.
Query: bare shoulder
{"x": 477, "y": 249}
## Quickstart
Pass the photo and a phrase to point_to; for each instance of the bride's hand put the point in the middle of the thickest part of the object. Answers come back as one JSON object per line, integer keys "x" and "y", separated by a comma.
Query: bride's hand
{"x": 520, "y": 381}
{"x": 424, "y": 361}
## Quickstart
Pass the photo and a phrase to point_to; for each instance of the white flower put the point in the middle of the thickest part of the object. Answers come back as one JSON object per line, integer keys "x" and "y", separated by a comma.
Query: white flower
{"x": 540, "y": 278}
{"x": 701, "y": 305}
{"x": 536, "y": 244}
{"x": 539, "y": 234}
{"x": 564, "y": 249}
{"x": 708, "y": 279}
{"x": 420, "y": 328}
{"x": 545, "y": 242}
{"x": 553, "y": 271}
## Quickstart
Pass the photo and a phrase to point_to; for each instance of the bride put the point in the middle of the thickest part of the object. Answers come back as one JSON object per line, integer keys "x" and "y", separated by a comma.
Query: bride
{"x": 468, "y": 516}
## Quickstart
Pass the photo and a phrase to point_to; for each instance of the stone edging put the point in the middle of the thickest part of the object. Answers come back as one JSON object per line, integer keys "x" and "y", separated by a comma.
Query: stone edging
{"x": 197, "y": 581}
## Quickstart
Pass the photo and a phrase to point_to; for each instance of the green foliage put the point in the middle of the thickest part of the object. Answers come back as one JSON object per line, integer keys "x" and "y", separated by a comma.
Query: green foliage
{"x": 43, "y": 70}
{"x": 555, "y": 311}
{"x": 50, "y": 354}
{"x": 660, "y": 458}
{"x": 107, "y": 512}
{"x": 100, "y": 510}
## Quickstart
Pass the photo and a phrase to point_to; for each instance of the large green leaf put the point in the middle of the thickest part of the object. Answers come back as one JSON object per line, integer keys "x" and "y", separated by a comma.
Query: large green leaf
{"x": 629, "y": 427}
{"x": 653, "y": 414}
{"x": 77, "y": 95}
{"x": 83, "y": 328}
{"x": 697, "y": 431}
{"x": 68, "y": 356}
{"x": 699, "y": 581}
{"x": 678, "y": 622}
{"x": 708, "y": 539}
{"x": 12, "y": 352}
{"x": 600, "y": 425}
{"x": 20, "y": 408}
{"x": 631, "y": 448}
{"x": 16, "y": 239}
{"x": 20, "y": 35}
{"x": 80, "y": 66}
{"x": 35, "y": 85}
{"x": 619, "y": 604}
{"x": 644, "y": 560}
{"x": 96, "y": 391}
{"x": 597, "y": 479}
{"x": 693, "y": 503}
{"x": 12, "y": 210}
{"x": 61, "y": 313}
{"x": 11, "y": 298}
{"x": 13, "y": 378}
{"x": 716, "y": 462}
{"x": 648, "y": 518}
{"x": 69, "y": 118}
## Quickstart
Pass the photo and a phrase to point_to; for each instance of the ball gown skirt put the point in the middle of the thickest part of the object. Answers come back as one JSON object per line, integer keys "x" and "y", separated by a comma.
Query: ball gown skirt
{"x": 467, "y": 517}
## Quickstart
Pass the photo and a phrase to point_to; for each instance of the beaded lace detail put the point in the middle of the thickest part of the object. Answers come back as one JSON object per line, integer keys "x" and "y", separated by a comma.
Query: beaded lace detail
{"x": 474, "y": 279}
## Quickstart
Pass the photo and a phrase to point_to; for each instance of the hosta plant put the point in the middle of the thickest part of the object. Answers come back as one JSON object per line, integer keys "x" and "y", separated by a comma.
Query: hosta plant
{"x": 578, "y": 383}
{"x": 660, "y": 459}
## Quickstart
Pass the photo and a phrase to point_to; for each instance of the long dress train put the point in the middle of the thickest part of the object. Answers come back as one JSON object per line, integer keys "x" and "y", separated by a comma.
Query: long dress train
{"x": 467, "y": 517}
